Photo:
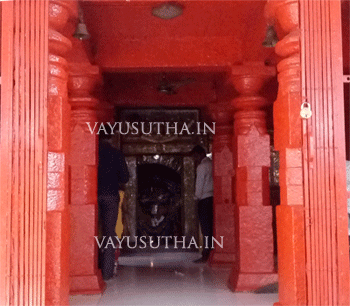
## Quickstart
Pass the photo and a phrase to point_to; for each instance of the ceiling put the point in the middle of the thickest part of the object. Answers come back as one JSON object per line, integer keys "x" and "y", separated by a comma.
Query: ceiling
{"x": 141, "y": 89}
{"x": 135, "y": 49}
{"x": 208, "y": 35}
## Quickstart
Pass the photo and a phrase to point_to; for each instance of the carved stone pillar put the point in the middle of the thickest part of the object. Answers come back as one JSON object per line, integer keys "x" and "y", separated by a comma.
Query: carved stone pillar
{"x": 86, "y": 278}
{"x": 191, "y": 224}
{"x": 57, "y": 220}
{"x": 288, "y": 141}
{"x": 130, "y": 203}
{"x": 254, "y": 264}
{"x": 223, "y": 172}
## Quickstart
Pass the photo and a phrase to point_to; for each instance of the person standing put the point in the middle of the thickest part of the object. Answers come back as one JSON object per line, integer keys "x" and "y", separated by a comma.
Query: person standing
{"x": 204, "y": 196}
{"x": 112, "y": 174}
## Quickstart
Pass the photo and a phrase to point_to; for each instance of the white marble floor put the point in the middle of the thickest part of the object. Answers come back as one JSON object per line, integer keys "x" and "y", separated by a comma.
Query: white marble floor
{"x": 171, "y": 283}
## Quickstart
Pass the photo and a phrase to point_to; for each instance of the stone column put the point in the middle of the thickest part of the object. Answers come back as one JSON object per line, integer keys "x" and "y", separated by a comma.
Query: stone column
{"x": 254, "y": 264}
{"x": 288, "y": 141}
{"x": 130, "y": 202}
{"x": 86, "y": 278}
{"x": 223, "y": 173}
{"x": 191, "y": 224}
{"x": 58, "y": 120}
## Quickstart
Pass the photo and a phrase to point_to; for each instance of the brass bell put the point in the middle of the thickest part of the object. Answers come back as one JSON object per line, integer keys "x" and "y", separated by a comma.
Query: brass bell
{"x": 81, "y": 31}
{"x": 271, "y": 38}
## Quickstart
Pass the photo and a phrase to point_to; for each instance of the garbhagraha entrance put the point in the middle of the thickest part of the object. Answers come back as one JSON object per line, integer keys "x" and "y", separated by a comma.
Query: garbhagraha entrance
{"x": 159, "y": 201}
{"x": 159, "y": 198}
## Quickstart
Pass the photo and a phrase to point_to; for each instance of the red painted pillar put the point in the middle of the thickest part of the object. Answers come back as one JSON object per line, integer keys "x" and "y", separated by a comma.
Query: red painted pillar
{"x": 288, "y": 141}
{"x": 58, "y": 120}
{"x": 223, "y": 172}
{"x": 254, "y": 264}
{"x": 313, "y": 252}
{"x": 86, "y": 278}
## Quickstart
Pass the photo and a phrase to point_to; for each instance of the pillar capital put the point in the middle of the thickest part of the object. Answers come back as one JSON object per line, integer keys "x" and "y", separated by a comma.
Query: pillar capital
{"x": 60, "y": 12}
{"x": 221, "y": 113}
{"x": 248, "y": 84}
{"x": 249, "y": 78}
{"x": 84, "y": 80}
{"x": 84, "y": 87}
{"x": 285, "y": 12}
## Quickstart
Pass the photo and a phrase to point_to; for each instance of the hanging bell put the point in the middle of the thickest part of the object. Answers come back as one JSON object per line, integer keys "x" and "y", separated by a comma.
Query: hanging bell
{"x": 81, "y": 31}
{"x": 271, "y": 38}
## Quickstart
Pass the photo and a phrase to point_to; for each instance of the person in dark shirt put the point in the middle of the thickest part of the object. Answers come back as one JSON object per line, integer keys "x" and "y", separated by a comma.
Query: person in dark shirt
{"x": 112, "y": 174}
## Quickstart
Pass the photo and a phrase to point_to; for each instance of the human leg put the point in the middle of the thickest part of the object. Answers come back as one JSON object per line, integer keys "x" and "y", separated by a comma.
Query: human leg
{"x": 205, "y": 215}
{"x": 108, "y": 207}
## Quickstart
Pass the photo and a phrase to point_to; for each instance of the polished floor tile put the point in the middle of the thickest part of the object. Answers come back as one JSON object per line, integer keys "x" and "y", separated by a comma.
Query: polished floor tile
{"x": 171, "y": 282}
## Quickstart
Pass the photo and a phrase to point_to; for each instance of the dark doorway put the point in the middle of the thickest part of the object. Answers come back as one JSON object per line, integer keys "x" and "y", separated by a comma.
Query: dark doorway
{"x": 159, "y": 201}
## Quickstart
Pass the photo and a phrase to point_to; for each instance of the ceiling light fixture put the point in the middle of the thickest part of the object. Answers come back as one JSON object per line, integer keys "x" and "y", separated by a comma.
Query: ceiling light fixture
{"x": 167, "y": 11}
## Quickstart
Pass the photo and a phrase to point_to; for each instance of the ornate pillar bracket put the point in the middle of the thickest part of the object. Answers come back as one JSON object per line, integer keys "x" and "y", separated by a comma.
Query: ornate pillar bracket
{"x": 254, "y": 262}
{"x": 223, "y": 172}
{"x": 83, "y": 85}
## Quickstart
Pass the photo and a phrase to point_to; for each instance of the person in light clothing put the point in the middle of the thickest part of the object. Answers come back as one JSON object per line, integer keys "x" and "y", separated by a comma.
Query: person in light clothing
{"x": 204, "y": 195}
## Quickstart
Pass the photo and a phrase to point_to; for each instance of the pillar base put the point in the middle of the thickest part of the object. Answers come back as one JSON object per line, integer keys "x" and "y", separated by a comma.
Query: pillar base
{"x": 221, "y": 259}
{"x": 87, "y": 284}
{"x": 251, "y": 281}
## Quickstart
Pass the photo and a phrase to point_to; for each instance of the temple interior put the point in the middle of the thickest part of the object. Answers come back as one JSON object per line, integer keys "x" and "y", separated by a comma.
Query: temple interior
{"x": 261, "y": 85}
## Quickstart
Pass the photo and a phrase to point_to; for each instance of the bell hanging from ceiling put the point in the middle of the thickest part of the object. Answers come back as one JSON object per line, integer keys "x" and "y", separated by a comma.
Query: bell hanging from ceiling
{"x": 271, "y": 38}
{"x": 81, "y": 31}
